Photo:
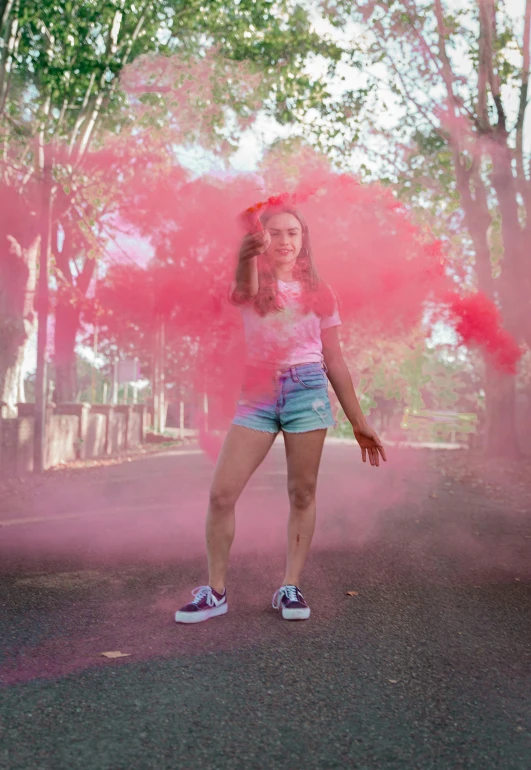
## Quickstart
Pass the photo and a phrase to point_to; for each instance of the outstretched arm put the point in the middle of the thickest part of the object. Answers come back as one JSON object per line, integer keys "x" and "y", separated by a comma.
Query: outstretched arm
{"x": 246, "y": 287}
{"x": 339, "y": 376}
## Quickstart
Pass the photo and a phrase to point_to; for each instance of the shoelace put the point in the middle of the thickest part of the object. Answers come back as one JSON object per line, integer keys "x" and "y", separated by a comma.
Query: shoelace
{"x": 203, "y": 592}
{"x": 290, "y": 592}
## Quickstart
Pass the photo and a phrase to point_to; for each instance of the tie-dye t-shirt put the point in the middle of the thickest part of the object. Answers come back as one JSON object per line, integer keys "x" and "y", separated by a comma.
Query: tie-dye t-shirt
{"x": 288, "y": 337}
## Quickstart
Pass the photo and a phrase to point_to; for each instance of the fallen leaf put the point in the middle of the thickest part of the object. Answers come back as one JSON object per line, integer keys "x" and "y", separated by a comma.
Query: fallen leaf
{"x": 433, "y": 494}
{"x": 393, "y": 681}
{"x": 116, "y": 654}
{"x": 352, "y": 593}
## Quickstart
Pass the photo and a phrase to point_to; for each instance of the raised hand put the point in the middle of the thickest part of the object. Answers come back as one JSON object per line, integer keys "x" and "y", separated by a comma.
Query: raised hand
{"x": 370, "y": 444}
{"x": 254, "y": 244}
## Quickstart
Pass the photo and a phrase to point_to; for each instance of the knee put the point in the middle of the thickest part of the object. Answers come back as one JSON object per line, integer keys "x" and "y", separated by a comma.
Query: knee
{"x": 222, "y": 500}
{"x": 301, "y": 495}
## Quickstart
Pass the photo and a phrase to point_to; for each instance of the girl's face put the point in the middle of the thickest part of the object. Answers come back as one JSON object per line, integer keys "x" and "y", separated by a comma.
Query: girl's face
{"x": 286, "y": 239}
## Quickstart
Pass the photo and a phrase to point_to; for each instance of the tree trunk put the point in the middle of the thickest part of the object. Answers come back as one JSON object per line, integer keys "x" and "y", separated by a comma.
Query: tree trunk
{"x": 66, "y": 326}
{"x": 515, "y": 281}
{"x": 68, "y": 313}
{"x": 501, "y": 436}
{"x": 18, "y": 270}
{"x": 12, "y": 376}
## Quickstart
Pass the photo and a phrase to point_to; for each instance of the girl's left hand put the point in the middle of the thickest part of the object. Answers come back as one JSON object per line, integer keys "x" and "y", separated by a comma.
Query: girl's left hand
{"x": 370, "y": 444}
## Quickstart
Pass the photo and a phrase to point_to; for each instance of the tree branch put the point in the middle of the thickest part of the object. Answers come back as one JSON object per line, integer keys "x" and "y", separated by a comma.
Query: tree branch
{"x": 427, "y": 54}
{"x": 524, "y": 88}
{"x": 485, "y": 53}
{"x": 488, "y": 19}
{"x": 62, "y": 258}
{"x": 111, "y": 47}
{"x": 446, "y": 66}
{"x": 82, "y": 113}
{"x": 12, "y": 38}
{"x": 5, "y": 10}
{"x": 62, "y": 114}
{"x": 86, "y": 274}
{"x": 407, "y": 94}
{"x": 106, "y": 92}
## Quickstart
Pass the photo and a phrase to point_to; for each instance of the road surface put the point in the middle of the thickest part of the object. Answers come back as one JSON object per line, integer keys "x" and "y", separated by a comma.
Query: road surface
{"x": 427, "y": 665}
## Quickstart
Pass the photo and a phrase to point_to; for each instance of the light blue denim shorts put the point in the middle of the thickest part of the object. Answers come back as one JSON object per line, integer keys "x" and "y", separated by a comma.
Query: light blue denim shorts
{"x": 293, "y": 400}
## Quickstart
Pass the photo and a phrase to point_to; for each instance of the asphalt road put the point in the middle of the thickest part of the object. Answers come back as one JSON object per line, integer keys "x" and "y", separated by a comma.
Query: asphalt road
{"x": 427, "y": 666}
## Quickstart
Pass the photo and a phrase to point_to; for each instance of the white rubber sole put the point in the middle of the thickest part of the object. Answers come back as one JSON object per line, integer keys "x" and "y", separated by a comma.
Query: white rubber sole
{"x": 288, "y": 614}
{"x": 198, "y": 617}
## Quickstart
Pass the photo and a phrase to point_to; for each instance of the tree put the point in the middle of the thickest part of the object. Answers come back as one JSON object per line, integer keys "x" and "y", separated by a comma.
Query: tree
{"x": 445, "y": 79}
{"x": 19, "y": 246}
{"x": 60, "y": 68}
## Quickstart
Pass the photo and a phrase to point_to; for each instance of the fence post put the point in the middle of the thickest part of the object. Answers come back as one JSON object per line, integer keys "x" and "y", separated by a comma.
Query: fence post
{"x": 81, "y": 411}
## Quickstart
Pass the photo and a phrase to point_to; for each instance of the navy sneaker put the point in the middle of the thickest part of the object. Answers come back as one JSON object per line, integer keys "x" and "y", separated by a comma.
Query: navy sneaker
{"x": 292, "y": 602}
{"x": 206, "y": 604}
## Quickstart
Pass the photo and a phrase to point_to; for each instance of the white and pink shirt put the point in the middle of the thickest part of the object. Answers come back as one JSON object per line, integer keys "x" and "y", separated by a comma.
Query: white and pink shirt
{"x": 286, "y": 338}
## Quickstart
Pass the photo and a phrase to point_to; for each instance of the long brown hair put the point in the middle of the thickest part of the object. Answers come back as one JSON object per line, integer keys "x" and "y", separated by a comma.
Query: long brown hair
{"x": 316, "y": 295}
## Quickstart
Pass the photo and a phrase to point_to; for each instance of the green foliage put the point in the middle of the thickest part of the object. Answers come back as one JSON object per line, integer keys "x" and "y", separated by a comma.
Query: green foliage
{"x": 70, "y": 55}
{"x": 394, "y": 376}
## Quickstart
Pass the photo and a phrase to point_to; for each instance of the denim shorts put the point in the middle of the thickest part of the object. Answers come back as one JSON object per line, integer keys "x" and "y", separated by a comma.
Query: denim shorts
{"x": 294, "y": 400}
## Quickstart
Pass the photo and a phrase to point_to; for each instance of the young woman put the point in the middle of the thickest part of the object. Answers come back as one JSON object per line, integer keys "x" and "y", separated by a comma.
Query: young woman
{"x": 290, "y": 319}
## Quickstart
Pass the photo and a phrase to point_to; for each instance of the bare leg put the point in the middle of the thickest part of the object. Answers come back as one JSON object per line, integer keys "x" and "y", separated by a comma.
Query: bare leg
{"x": 242, "y": 452}
{"x": 303, "y": 453}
